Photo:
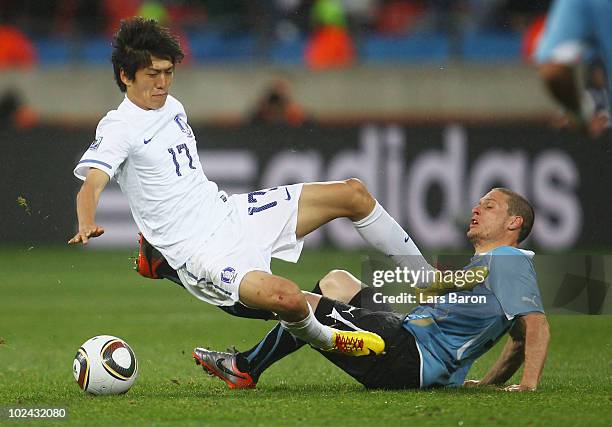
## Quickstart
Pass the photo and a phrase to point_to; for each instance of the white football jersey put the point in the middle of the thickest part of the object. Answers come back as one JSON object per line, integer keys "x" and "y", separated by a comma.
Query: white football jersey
{"x": 153, "y": 156}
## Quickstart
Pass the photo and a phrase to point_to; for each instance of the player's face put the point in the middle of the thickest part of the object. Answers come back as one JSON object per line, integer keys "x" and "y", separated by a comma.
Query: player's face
{"x": 150, "y": 86}
{"x": 489, "y": 218}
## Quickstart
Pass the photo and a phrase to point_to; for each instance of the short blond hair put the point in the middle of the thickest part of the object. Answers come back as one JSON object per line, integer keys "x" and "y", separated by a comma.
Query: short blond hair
{"x": 519, "y": 206}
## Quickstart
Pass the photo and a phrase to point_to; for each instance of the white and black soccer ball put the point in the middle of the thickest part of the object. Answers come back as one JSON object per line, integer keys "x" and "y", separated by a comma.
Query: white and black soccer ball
{"x": 105, "y": 365}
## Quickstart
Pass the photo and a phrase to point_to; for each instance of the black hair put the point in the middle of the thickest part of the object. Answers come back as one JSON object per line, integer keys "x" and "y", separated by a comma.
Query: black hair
{"x": 519, "y": 206}
{"x": 136, "y": 41}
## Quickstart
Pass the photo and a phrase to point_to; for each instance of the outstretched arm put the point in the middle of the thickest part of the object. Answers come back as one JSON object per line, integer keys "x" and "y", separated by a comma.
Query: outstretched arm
{"x": 527, "y": 342}
{"x": 537, "y": 336}
{"x": 87, "y": 203}
{"x": 511, "y": 358}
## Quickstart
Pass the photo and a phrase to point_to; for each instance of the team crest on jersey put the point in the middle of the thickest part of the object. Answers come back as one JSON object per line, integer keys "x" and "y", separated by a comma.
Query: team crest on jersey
{"x": 228, "y": 275}
{"x": 183, "y": 126}
{"x": 96, "y": 143}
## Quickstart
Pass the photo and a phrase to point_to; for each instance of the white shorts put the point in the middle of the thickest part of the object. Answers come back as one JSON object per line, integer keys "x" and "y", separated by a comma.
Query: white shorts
{"x": 262, "y": 225}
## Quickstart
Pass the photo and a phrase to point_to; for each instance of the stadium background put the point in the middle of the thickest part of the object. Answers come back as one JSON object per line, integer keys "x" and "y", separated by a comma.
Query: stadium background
{"x": 431, "y": 103}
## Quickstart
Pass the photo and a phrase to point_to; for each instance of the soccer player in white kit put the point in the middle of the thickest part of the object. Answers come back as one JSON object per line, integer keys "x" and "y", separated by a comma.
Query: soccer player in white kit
{"x": 221, "y": 246}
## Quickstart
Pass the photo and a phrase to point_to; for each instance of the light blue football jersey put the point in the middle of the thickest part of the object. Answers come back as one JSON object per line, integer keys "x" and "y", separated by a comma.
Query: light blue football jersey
{"x": 451, "y": 335}
{"x": 577, "y": 26}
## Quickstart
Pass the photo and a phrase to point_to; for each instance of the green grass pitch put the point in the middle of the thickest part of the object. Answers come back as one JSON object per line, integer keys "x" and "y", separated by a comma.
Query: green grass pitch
{"x": 53, "y": 299}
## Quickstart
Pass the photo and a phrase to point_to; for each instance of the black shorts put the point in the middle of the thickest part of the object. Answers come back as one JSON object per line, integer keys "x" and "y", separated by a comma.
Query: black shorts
{"x": 400, "y": 365}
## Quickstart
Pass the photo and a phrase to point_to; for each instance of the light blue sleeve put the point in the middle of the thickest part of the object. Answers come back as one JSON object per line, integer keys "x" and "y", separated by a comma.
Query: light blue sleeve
{"x": 512, "y": 279}
{"x": 567, "y": 22}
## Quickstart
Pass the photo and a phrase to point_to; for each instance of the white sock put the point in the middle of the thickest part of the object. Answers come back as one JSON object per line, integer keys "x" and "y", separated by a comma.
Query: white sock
{"x": 311, "y": 330}
{"x": 381, "y": 231}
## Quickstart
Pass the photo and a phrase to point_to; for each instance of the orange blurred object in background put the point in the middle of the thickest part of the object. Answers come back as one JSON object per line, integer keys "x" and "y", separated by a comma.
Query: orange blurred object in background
{"x": 330, "y": 47}
{"x": 16, "y": 50}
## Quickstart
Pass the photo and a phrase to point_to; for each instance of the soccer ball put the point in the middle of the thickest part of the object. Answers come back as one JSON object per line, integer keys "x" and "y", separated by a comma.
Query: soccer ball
{"x": 105, "y": 365}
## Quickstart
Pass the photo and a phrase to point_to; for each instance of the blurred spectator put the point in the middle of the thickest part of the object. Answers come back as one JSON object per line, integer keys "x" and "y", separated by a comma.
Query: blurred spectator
{"x": 77, "y": 18}
{"x": 116, "y": 10}
{"x": 276, "y": 107}
{"x": 16, "y": 49}
{"x": 397, "y": 17}
{"x": 332, "y": 28}
{"x": 273, "y": 21}
{"x": 360, "y": 15}
{"x": 480, "y": 15}
{"x": 13, "y": 112}
{"x": 517, "y": 15}
{"x": 152, "y": 9}
{"x": 330, "y": 45}
{"x": 229, "y": 16}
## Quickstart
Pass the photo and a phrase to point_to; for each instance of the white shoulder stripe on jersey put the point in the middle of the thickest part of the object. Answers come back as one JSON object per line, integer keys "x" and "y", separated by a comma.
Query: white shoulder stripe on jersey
{"x": 96, "y": 162}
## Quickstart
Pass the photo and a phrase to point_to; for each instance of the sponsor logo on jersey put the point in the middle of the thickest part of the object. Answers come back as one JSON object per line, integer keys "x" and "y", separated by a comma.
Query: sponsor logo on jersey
{"x": 228, "y": 275}
{"x": 531, "y": 300}
{"x": 96, "y": 143}
{"x": 183, "y": 126}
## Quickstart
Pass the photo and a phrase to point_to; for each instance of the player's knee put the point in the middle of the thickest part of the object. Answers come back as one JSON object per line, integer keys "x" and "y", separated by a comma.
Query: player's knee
{"x": 292, "y": 305}
{"x": 361, "y": 201}
{"x": 339, "y": 285}
{"x": 287, "y": 299}
{"x": 273, "y": 293}
{"x": 330, "y": 283}
{"x": 358, "y": 188}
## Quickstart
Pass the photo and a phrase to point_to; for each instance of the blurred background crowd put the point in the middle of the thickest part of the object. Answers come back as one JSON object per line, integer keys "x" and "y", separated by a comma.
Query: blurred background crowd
{"x": 430, "y": 102}
{"x": 317, "y": 33}
{"x": 310, "y": 35}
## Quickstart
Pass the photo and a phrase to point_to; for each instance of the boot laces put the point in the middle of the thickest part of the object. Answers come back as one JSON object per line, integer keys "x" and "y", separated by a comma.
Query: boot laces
{"x": 347, "y": 344}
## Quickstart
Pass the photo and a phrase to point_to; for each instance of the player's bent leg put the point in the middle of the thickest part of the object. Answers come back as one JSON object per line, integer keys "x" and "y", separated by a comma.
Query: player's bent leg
{"x": 150, "y": 263}
{"x": 321, "y": 202}
{"x": 277, "y": 344}
{"x": 396, "y": 368}
{"x": 263, "y": 290}
{"x": 340, "y": 285}
{"x": 354, "y": 343}
{"x": 243, "y": 369}
{"x": 223, "y": 365}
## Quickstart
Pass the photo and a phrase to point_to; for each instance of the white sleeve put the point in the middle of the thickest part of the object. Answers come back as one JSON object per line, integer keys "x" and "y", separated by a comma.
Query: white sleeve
{"x": 107, "y": 152}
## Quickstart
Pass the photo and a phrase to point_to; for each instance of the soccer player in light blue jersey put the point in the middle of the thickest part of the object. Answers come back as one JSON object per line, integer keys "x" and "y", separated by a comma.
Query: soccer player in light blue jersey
{"x": 435, "y": 344}
{"x": 576, "y": 30}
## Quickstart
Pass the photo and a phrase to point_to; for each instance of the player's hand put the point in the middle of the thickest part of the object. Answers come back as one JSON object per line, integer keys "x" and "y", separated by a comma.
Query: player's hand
{"x": 593, "y": 127}
{"x": 85, "y": 233}
{"x": 471, "y": 383}
{"x": 598, "y": 124}
{"x": 518, "y": 387}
